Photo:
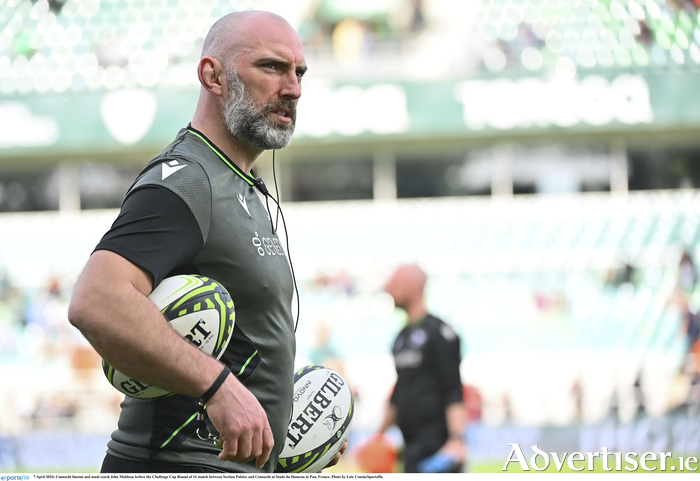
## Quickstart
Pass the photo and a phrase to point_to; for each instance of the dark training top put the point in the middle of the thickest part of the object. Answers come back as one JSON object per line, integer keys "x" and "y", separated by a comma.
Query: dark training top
{"x": 192, "y": 211}
{"x": 427, "y": 357}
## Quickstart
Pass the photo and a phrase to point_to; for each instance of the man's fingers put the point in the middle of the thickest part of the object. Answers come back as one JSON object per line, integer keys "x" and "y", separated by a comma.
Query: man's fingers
{"x": 268, "y": 442}
{"x": 245, "y": 446}
{"x": 257, "y": 444}
{"x": 238, "y": 455}
{"x": 229, "y": 449}
{"x": 337, "y": 456}
{"x": 237, "y": 415}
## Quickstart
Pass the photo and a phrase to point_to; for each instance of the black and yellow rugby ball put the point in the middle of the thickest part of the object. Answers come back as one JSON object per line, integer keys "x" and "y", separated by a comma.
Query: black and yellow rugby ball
{"x": 200, "y": 310}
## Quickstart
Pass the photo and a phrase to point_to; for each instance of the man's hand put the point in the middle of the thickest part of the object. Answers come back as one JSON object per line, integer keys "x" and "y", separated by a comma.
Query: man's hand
{"x": 337, "y": 456}
{"x": 242, "y": 424}
{"x": 456, "y": 449}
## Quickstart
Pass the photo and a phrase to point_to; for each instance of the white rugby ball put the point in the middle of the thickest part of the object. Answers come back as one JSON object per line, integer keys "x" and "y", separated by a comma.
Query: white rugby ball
{"x": 200, "y": 310}
{"x": 322, "y": 413}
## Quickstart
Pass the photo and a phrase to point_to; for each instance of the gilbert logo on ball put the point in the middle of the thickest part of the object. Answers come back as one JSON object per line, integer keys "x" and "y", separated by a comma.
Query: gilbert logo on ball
{"x": 200, "y": 310}
{"x": 322, "y": 413}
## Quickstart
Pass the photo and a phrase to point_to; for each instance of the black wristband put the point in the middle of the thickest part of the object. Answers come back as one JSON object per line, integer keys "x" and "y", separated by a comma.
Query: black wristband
{"x": 215, "y": 386}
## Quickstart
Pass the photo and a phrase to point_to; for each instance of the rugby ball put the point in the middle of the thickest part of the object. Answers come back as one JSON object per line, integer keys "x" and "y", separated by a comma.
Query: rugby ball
{"x": 322, "y": 412}
{"x": 200, "y": 310}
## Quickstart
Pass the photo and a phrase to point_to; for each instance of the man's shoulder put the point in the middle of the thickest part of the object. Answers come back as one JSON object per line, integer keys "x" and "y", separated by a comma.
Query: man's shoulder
{"x": 188, "y": 145}
{"x": 175, "y": 172}
{"x": 402, "y": 336}
{"x": 185, "y": 149}
{"x": 179, "y": 169}
{"x": 190, "y": 159}
{"x": 438, "y": 326}
{"x": 182, "y": 165}
{"x": 433, "y": 322}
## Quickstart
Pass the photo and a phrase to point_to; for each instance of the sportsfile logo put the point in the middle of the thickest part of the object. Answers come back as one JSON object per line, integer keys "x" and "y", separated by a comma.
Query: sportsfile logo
{"x": 313, "y": 411}
{"x": 611, "y": 461}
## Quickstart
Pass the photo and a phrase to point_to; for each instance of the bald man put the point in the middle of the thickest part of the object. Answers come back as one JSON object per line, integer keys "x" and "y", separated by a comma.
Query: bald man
{"x": 196, "y": 208}
{"x": 426, "y": 403}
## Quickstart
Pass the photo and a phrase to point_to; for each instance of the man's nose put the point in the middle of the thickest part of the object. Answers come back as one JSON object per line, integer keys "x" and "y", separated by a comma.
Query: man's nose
{"x": 291, "y": 89}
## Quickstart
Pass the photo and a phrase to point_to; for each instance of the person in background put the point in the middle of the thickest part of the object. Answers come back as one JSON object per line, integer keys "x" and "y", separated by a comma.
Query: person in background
{"x": 427, "y": 400}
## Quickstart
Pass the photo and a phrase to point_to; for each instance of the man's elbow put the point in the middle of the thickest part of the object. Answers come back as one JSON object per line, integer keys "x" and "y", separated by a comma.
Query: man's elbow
{"x": 79, "y": 312}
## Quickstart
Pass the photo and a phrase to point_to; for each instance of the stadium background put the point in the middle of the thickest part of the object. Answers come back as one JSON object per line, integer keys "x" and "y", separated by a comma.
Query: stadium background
{"x": 538, "y": 158}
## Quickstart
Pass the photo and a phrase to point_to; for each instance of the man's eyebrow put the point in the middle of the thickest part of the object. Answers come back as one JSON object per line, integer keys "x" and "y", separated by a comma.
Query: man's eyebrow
{"x": 281, "y": 62}
{"x": 276, "y": 60}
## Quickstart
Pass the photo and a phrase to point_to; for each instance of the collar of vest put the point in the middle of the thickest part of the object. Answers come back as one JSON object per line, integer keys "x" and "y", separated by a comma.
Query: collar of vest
{"x": 247, "y": 177}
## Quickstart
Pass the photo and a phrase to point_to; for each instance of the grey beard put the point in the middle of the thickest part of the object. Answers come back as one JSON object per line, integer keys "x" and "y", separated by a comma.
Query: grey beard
{"x": 249, "y": 123}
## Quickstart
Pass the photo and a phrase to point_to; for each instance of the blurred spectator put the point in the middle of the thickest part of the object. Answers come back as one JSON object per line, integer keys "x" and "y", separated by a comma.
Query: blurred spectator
{"x": 341, "y": 282}
{"x": 350, "y": 39}
{"x": 47, "y": 320}
{"x": 52, "y": 410}
{"x": 550, "y": 304}
{"x": 35, "y": 334}
{"x": 322, "y": 352}
{"x": 691, "y": 327}
{"x": 577, "y": 394}
{"x": 687, "y": 273}
{"x": 472, "y": 403}
{"x": 685, "y": 284}
{"x": 695, "y": 362}
{"x": 688, "y": 5}
{"x": 620, "y": 275}
{"x": 12, "y": 316}
{"x": 646, "y": 36}
{"x": 691, "y": 331}
{"x": 418, "y": 21}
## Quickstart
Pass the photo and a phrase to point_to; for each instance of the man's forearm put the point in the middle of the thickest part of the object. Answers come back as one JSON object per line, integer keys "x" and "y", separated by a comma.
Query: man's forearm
{"x": 111, "y": 309}
{"x": 455, "y": 415}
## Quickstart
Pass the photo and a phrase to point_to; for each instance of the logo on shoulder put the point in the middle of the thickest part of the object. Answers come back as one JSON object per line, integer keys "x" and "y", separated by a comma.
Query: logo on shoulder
{"x": 244, "y": 203}
{"x": 170, "y": 167}
{"x": 448, "y": 333}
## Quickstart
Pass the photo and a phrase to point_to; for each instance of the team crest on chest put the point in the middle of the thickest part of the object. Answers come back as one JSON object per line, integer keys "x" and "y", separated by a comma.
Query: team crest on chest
{"x": 268, "y": 246}
{"x": 418, "y": 337}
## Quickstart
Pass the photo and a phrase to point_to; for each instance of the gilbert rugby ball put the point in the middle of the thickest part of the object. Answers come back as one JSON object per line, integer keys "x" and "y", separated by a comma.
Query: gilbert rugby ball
{"x": 200, "y": 310}
{"x": 322, "y": 413}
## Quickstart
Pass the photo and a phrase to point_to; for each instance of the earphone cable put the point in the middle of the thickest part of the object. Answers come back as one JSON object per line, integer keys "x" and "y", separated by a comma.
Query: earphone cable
{"x": 274, "y": 178}
{"x": 286, "y": 235}
{"x": 296, "y": 288}
{"x": 269, "y": 215}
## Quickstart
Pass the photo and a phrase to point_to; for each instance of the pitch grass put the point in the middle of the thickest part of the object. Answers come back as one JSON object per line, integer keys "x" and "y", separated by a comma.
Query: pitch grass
{"x": 672, "y": 466}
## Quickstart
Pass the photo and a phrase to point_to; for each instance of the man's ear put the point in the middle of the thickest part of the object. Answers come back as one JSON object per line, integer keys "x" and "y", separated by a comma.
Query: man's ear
{"x": 211, "y": 75}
